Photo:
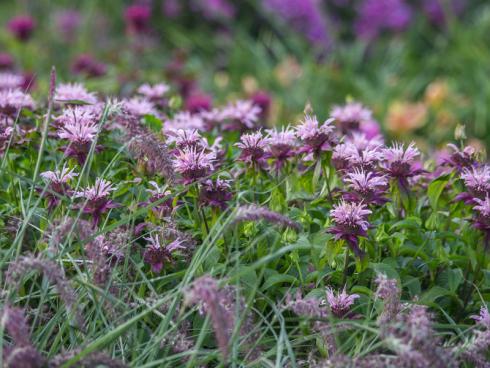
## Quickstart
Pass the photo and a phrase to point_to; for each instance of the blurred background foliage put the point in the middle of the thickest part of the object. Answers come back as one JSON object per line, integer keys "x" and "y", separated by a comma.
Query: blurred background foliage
{"x": 421, "y": 76}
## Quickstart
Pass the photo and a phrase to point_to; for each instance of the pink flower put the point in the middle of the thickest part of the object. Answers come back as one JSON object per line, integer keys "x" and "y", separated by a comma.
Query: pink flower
{"x": 154, "y": 92}
{"x": 316, "y": 137}
{"x": 137, "y": 18}
{"x": 253, "y": 146}
{"x": 483, "y": 318}
{"x": 87, "y": 65}
{"x": 216, "y": 193}
{"x": 21, "y": 27}
{"x": 158, "y": 254}
{"x": 350, "y": 116}
{"x": 281, "y": 145}
{"x": 240, "y": 115}
{"x": 76, "y": 115}
{"x": 198, "y": 102}
{"x": 340, "y": 302}
{"x": 350, "y": 222}
{"x": 57, "y": 185}
{"x": 460, "y": 159}
{"x": 477, "y": 181}
{"x": 10, "y": 81}
{"x": 69, "y": 92}
{"x": 186, "y": 139}
{"x": 400, "y": 163}
{"x": 80, "y": 136}
{"x": 366, "y": 187}
{"x": 193, "y": 164}
{"x": 165, "y": 208}
{"x": 96, "y": 201}
{"x": 139, "y": 107}
{"x": 184, "y": 120}
{"x": 14, "y": 100}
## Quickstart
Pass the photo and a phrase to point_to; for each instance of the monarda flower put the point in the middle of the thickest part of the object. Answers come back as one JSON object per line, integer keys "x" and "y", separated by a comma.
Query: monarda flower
{"x": 253, "y": 149}
{"x": 21, "y": 27}
{"x": 74, "y": 93}
{"x": 164, "y": 209}
{"x": 186, "y": 139}
{"x": 281, "y": 146}
{"x": 241, "y": 115}
{"x": 157, "y": 254}
{"x": 315, "y": 137}
{"x": 350, "y": 222}
{"x": 477, "y": 182}
{"x": 154, "y": 93}
{"x": 339, "y": 303}
{"x": 57, "y": 185}
{"x": 184, "y": 120}
{"x": 198, "y": 102}
{"x": 137, "y": 18}
{"x": 460, "y": 159}
{"x": 366, "y": 187}
{"x": 263, "y": 100}
{"x": 96, "y": 199}
{"x": 14, "y": 100}
{"x": 80, "y": 137}
{"x": 400, "y": 163}
{"x": 193, "y": 164}
{"x": 6, "y": 61}
{"x": 10, "y": 81}
{"x": 5, "y": 136}
{"x": 139, "y": 107}
{"x": 74, "y": 115}
{"x": 85, "y": 64}
{"x": 351, "y": 116}
{"x": 215, "y": 193}
{"x": 481, "y": 218}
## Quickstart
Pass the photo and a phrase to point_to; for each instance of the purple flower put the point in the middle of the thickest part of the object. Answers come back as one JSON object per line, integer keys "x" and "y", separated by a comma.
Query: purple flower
{"x": 281, "y": 146}
{"x": 193, "y": 164}
{"x": 460, "y": 159}
{"x": 11, "y": 81}
{"x": 76, "y": 115}
{"x": 436, "y": 10}
{"x": 21, "y": 27}
{"x": 184, "y": 120}
{"x": 256, "y": 213}
{"x": 69, "y": 92}
{"x": 483, "y": 318}
{"x": 241, "y": 115}
{"x": 347, "y": 156}
{"x": 158, "y": 254}
{"x": 86, "y": 64}
{"x": 80, "y": 136}
{"x": 481, "y": 217}
{"x": 214, "y": 9}
{"x": 376, "y": 16}
{"x": 154, "y": 93}
{"x": 67, "y": 23}
{"x": 477, "y": 182}
{"x": 365, "y": 187}
{"x": 216, "y": 193}
{"x": 340, "y": 302}
{"x": 350, "y": 222}
{"x": 5, "y": 135}
{"x": 137, "y": 18}
{"x": 198, "y": 102}
{"x": 6, "y": 61}
{"x": 14, "y": 100}
{"x": 351, "y": 116}
{"x": 139, "y": 107}
{"x": 186, "y": 139}
{"x": 263, "y": 100}
{"x": 164, "y": 209}
{"x": 399, "y": 163}
{"x": 57, "y": 185}
{"x": 96, "y": 201}
{"x": 171, "y": 8}
{"x": 305, "y": 16}
{"x": 252, "y": 146}
{"x": 315, "y": 137}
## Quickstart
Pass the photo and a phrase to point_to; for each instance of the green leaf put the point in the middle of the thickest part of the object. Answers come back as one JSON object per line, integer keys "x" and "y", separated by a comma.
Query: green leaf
{"x": 433, "y": 294}
{"x": 435, "y": 190}
{"x": 278, "y": 279}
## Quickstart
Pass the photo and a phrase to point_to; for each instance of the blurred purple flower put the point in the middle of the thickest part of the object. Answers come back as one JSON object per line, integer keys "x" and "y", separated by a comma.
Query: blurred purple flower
{"x": 351, "y": 116}
{"x": 6, "y": 61}
{"x": 171, "y": 8}
{"x": 14, "y": 100}
{"x": 436, "y": 10}
{"x": 186, "y": 139}
{"x": 21, "y": 27}
{"x": 460, "y": 159}
{"x": 197, "y": 102}
{"x": 11, "y": 81}
{"x": 139, "y": 107}
{"x": 240, "y": 115}
{"x": 376, "y": 16}
{"x": 87, "y": 65}
{"x": 350, "y": 222}
{"x": 67, "y": 23}
{"x": 263, "y": 100}
{"x": 164, "y": 209}
{"x": 67, "y": 92}
{"x": 253, "y": 146}
{"x": 216, "y": 193}
{"x": 214, "y": 9}
{"x": 137, "y": 18}
{"x": 80, "y": 136}
{"x": 481, "y": 218}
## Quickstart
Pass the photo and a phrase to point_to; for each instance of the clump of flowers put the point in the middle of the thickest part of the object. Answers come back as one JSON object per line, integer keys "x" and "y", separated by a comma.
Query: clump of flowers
{"x": 216, "y": 193}
{"x": 315, "y": 137}
{"x": 281, "y": 146}
{"x": 350, "y": 222}
{"x": 57, "y": 185}
{"x": 96, "y": 199}
{"x": 253, "y": 149}
{"x": 366, "y": 187}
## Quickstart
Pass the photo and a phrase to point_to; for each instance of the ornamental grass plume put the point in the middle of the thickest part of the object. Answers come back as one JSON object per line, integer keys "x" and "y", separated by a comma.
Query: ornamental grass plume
{"x": 350, "y": 223}
{"x": 388, "y": 291}
{"x": 193, "y": 164}
{"x": 96, "y": 199}
{"x": 256, "y": 213}
{"x": 158, "y": 252}
{"x": 57, "y": 185}
{"x": 315, "y": 137}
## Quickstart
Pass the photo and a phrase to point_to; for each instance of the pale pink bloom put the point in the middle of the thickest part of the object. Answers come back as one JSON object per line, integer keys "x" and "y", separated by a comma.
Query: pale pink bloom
{"x": 316, "y": 137}
{"x": 253, "y": 147}
{"x": 193, "y": 164}
{"x": 362, "y": 142}
{"x": 13, "y": 100}
{"x": 184, "y": 120}
{"x": 77, "y": 132}
{"x": 186, "y": 138}
{"x": 139, "y": 107}
{"x": 59, "y": 176}
{"x": 477, "y": 180}
{"x": 77, "y": 115}
{"x": 96, "y": 200}
{"x": 281, "y": 145}
{"x": 57, "y": 182}
{"x": 340, "y": 302}
{"x": 10, "y": 81}
{"x": 101, "y": 189}
{"x": 67, "y": 92}
{"x": 155, "y": 92}
{"x": 241, "y": 114}
{"x": 350, "y": 116}
{"x": 366, "y": 187}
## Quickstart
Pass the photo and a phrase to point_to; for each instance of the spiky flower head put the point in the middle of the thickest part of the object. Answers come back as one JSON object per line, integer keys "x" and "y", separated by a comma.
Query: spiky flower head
{"x": 139, "y": 107}
{"x": 10, "y": 81}
{"x": 69, "y": 92}
{"x": 340, "y": 302}
{"x": 96, "y": 199}
{"x": 216, "y": 193}
{"x": 74, "y": 115}
{"x": 157, "y": 194}
{"x": 350, "y": 222}
{"x": 477, "y": 182}
{"x": 158, "y": 253}
{"x": 59, "y": 177}
{"x": 350, "y": 116}
{"x": 240, "y": 115}
{"x": 184, "y": 138}
{"x": 153, "y": 92}
{"x": 80, "y": 136}
{"x": 14, "y": 100}
{"x": 400, "y": 163}
{"x": 184, "y": 120}
{"x": 193, "y": 164}
{"x": 281, "y": 145}
{"x": 315, "y": 137}
{"x": 460, "y": 159}
{"x": 252, "y": 146}
{"x": 366, "y": 187}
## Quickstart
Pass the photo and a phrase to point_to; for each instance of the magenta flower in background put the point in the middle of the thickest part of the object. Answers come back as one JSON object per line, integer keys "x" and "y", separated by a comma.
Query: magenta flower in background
{"x": 69, "y": 92}
{"x": 350, "y": 222}
{"x": 400, "y": 163}
{"x": 86, "y": 64}
{"x": 305, "y": 16}
{"x": 263, "y": 100}
{"x": 57, "y": 185}
{"x": 351, "y": 116}
{"x": 460, "y": 159}
{"x": 67, "y": 22}
{"x": 157, "y": 254}
{"x": 216, "y": 193}
{"x": 315, "y": 137}
{"x": 80, "y": 136}
{"x": 10, "y": 81}
{"x": 193, "y": 164}
{"x": 197, "y": 102}
{"x": 253, "y": 149}
{"x": 281, "y": 146}
{"x": 21, "y": 27}
{"x": 171, "y": 8}
{"x": 139, "y": 107}
{"x": 14, "y": 100}
{"x": 340, "y": 302}
{"x": 376, "y": 16}
{"x": 155, "y": 93}
{"x": 137, "y": 18}
{"x": 6, "y": 61}
{"x": 366, "y": 187}
{"x": 240, "y": 115}
{"x": 96, "y": 199}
